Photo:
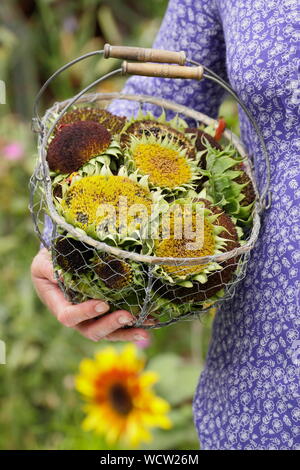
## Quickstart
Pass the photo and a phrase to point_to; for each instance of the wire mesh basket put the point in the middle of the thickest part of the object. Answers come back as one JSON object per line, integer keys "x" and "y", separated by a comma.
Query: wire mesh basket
{"x": 135, "y": 273}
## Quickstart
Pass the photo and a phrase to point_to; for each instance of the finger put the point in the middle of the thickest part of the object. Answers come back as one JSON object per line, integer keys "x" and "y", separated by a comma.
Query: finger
{"x": 67, "y": 313}
{"x": 72, "y": 315}
{"x": 79, "y": 315}
{"x": 133, "y": 334}
{"x": 100, "y": 328}
{"x": 42, "y": 266}
{"x": 50, "y": 294}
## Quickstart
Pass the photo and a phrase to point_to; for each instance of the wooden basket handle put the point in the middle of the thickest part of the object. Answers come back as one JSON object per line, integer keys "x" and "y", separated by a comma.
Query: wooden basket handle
{"x": 162, "y": 70}
{"x": 142, "y": 54}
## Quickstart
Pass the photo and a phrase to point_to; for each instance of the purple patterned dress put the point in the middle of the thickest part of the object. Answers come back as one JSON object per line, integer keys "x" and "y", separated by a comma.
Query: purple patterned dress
{"x": 248, "y": 395}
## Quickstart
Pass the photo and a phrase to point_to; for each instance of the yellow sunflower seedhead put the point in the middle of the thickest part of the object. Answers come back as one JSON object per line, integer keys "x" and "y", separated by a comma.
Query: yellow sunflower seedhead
{"x": 121, "y": 404}
{"x": 105, "y": 205}
{"x": 164, "y": 161}
{"x": 201, "y": 239}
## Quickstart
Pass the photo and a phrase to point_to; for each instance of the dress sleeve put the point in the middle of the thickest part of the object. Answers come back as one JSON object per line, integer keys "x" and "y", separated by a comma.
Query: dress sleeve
{"x": 192, "y": 26}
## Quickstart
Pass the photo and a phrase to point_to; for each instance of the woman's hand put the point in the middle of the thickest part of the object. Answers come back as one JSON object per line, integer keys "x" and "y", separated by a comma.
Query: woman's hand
{"x": 83, "y": 317}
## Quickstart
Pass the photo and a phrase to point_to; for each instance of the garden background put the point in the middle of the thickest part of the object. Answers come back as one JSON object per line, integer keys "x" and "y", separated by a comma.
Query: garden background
{"x": 39, "y": 406}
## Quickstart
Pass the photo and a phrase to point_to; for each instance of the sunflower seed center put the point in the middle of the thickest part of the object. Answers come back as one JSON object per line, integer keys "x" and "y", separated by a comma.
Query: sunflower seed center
{"x": 120, "y": 399}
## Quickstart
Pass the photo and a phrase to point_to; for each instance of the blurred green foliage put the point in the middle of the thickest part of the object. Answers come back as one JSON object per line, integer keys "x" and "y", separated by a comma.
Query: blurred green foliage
{"x": 39, "y": 408}
{"x": 37, "y": 37}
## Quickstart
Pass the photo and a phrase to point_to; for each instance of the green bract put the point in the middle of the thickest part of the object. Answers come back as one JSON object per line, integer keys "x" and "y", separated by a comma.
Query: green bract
{"x": 228, "y": 184}
{"x": 163, "y": 162}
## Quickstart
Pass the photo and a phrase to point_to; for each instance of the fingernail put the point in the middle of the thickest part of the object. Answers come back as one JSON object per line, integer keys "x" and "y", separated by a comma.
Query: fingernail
{"x": 124, "y": 320}
{"x": 102, "y": 307}
{"x": 139, "y": 338}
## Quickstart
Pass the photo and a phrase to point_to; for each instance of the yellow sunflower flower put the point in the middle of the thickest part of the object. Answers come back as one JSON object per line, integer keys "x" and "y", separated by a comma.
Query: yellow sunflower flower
{"x": 120, "y": 401}
{"x": 165, "y": 162}
{"x": 208, "y": 236}
{"x": 83, "y": 199}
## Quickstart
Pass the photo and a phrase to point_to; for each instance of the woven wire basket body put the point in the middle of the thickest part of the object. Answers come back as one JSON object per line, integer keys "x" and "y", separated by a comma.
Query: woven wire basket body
{"x": 128, "y": 280}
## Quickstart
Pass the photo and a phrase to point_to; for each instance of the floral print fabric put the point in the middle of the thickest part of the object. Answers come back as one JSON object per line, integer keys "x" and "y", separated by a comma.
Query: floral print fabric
{"x": 248, "y": 394}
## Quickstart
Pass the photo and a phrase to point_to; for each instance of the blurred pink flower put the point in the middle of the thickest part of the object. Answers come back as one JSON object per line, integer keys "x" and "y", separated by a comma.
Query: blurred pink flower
{"x": 13, "y": 151}
{"x": 143, "y": 344}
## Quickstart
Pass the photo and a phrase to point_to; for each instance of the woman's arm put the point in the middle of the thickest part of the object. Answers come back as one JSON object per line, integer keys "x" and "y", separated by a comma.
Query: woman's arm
{"x": 203, "y": 43}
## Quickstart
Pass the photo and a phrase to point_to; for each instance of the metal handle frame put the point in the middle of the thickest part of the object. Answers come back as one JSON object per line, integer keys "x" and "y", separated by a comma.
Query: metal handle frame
{"x": 164, "y": 71}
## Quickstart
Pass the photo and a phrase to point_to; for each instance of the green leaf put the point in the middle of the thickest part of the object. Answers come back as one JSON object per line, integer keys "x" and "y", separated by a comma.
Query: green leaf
{"x": 188, "y": 284}
{"x": 222, "y": 164}
{"x": 169, "y": 386}
{"x": 202, "y": 278}
{"x": 233, "y": 207}
{"x": 221, "y": 184}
